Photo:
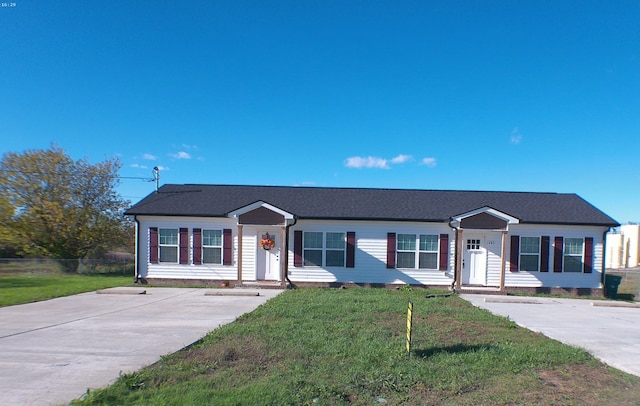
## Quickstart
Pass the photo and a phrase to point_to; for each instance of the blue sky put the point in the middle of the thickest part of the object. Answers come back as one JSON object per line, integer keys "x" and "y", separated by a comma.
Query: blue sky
{"x": 537, "y": 96}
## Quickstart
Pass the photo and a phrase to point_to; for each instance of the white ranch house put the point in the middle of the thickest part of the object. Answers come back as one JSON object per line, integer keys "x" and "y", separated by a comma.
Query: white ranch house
{"x": 307, "y": 236}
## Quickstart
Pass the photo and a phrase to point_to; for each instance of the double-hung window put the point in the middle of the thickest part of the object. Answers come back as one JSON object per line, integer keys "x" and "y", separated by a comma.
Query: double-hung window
{"x": 324, "y": 248}
{"x": 168, "y": 244}
{"x": 530, "y": 254}
{"x": 573, "y": 250}
{"x": 212, "y": 246}
{"x": 421, "y": 249}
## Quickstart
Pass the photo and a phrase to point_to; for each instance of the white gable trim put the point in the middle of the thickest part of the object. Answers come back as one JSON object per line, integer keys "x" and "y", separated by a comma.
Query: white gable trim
{"x": 455, "y": 220}
{"x": 238, "y": 212}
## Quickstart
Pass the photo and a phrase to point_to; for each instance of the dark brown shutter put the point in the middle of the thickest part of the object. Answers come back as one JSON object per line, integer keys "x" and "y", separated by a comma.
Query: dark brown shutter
{"x": 297, "y": 248}
{"x": 197, "y": 246}
{"x": 153, "y": 245}
{"x": 227, "y": 247}
{"x": 588, "y": 255}
{"x": 351, "y": 249}
{"x": 391, "y": 250}
{"x": 444, "y": 252}
{"x": 558, "y": 248}
{"x": 514, "y": 258}
{"x": 184, "y": 246}
{"x": 544, "y": 253}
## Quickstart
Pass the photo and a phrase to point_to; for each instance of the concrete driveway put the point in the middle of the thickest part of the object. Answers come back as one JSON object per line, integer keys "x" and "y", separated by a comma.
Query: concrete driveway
{"x": 52, "y": 351}
{"x": 609, "y": 330}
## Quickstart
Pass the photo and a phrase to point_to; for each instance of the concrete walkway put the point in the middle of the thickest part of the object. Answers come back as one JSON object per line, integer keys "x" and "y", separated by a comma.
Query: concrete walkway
{"x": 52, "y": 351}
{"x": 609, "y": 330}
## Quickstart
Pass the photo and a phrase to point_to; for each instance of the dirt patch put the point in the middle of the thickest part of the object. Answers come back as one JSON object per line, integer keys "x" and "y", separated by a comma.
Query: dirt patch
{"x": 580, "y": 384}
{"x": 243, "y": 353}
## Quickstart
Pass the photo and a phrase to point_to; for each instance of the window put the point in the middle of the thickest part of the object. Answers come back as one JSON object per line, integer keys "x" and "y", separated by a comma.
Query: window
{"x": 212, "y": 246}
{"x": 335, "y": 249}
{"x": 168, "y": 244}
{"x": 327, "y": 248}
{"x": 312, "y": 249}
{"x": 473, "y": 244}
{"x": 406, "y": 256}
{"x": 428, "y": 252}
{"x": 422, "y": 249}
{"x": 530, "y": 254}
{"x": 573, "y": 249}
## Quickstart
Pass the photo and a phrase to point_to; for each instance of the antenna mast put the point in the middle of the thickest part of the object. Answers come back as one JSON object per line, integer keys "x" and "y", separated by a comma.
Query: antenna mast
{"x": 156, "y": 176}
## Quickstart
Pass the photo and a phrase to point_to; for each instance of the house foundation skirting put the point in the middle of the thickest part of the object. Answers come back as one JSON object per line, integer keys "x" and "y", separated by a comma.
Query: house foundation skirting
{"x": 599, "y": 292}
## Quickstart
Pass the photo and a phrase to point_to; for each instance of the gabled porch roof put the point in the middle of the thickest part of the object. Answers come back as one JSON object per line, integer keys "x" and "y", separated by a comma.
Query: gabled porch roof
{"x": 486, "y": 218}
{"x": 261, "y": 212}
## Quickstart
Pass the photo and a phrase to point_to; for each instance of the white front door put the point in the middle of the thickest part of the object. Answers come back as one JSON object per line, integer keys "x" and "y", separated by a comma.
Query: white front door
{"x": 268, "y": 256}
{"x": 474, "y": 262}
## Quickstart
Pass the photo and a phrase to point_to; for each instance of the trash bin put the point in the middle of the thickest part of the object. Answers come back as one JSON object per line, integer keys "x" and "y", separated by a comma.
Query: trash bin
{"x": 611, "y": 283}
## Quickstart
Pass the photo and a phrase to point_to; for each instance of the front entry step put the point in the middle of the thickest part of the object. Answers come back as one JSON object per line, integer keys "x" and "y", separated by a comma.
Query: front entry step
{"x": 484, "y": 290}
{"x": 263, "y": 284}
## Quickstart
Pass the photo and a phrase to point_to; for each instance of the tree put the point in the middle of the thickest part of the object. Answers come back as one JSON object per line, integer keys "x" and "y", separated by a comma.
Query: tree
{"x": 60, "y": 208}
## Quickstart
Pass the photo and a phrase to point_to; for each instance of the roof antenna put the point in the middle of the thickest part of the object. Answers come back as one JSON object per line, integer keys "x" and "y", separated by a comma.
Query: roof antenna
{"x": 156, "y": 176}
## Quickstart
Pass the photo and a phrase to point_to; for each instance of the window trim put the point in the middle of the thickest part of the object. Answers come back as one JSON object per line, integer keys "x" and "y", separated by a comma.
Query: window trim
{"x": 161, "y": 245}
{"x": 323, "y": 249}
{"x": 580, "y": 256}
{"x": 530, "y": 254}
{"x": 220, "y": 247}
{"x": 417, "y": 251}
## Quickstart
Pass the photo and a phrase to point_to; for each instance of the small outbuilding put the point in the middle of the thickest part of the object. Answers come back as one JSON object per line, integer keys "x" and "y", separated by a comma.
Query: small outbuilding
{"x": 277, "y": 236}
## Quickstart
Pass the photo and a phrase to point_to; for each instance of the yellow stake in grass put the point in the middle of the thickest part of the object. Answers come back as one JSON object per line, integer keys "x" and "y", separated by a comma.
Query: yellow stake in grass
{"x": 409, "y": 322}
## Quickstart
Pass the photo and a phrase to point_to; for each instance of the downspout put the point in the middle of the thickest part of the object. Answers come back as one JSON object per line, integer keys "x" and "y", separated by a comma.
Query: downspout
{"x": 455, "y": 257}
{"x": 286, "y": 250}
{"x": 137, "y": 251}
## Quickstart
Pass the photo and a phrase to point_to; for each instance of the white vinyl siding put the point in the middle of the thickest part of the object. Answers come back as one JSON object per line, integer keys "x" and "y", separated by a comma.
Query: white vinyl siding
{"x": 175, "y": 270}
{"x": 371, "y": 254}
{"x": 551, "y": 278}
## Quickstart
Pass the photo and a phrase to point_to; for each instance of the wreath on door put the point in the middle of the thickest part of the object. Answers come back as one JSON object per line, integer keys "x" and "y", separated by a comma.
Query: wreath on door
{"x": 267, "y": 242}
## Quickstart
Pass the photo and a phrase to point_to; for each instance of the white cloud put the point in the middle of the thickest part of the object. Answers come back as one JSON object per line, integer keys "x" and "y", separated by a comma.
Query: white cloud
{"x": 516, "y": 137}
{"x": 162, "y": 168}
{"x": 149, "y": 157}
{"x": 138, "y": 166}
{"x": 430, "y": 162}
{"x": 180, "y": 155}
{"x": 400, "y": 159}
{"x": 366, "y": 162}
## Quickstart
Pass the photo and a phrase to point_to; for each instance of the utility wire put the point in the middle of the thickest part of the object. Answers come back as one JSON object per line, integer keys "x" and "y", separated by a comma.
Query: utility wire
{"x": 67, "y": 174}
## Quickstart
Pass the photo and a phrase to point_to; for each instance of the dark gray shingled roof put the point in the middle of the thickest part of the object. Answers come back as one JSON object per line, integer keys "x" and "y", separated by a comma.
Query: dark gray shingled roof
{"x": 369, "y": 204}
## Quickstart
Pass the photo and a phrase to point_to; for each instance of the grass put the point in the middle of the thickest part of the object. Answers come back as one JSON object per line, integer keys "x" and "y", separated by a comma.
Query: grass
{"x": 347, "y": 346}
{"x": 21, "y": 284}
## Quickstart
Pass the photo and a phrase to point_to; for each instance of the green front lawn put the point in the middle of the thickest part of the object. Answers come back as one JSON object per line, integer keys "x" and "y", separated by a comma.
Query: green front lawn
{"x": 19, "y": 288}
{"x": 347, "y": 346}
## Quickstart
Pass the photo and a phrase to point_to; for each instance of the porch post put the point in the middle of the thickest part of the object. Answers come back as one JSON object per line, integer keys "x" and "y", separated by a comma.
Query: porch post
{"x": 283, "y": 256}
{"x": 240, "y": 253}
{"x": 503, "y": 259}
{"x": 459, "y": 255}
